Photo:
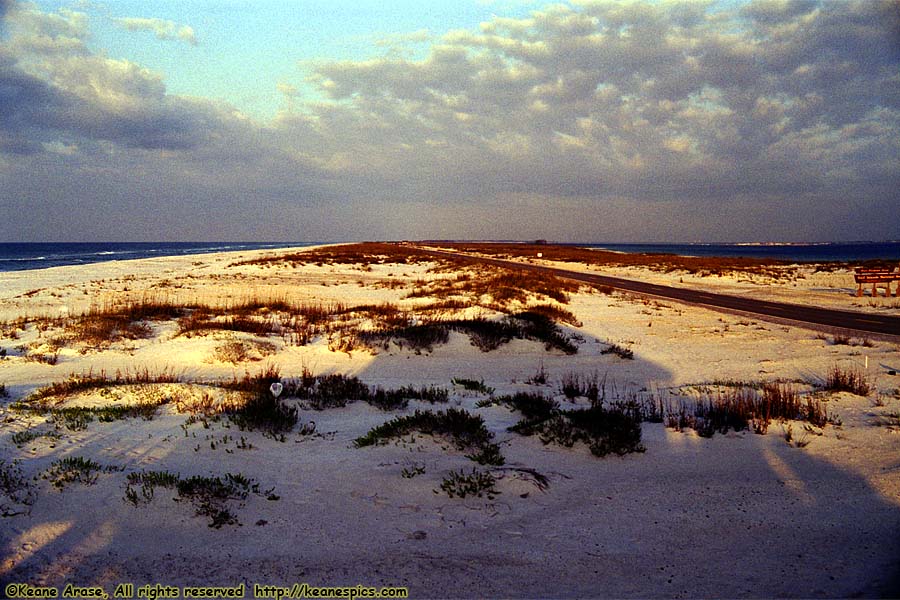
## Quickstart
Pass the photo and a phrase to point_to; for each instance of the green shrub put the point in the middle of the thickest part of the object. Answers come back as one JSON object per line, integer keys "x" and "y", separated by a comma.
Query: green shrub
{"x": 337, "y": 390}
{"x": 16, "y": 488}
{"x": 75, "y": 469}
{"x": 264, "y": 412}
{"x": 620, "y": 351}
{"x": 209, "y": 495}
{"x": 473, "y": 385}
{"x": 477, "y": 483}
{"x": 531, "y": 405}
{"x": 612, "y": 430}
{"x": 467, "y": 431}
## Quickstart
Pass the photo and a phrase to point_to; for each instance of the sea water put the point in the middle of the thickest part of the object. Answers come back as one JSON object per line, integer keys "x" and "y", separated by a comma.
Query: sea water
{"x": 22, "y": 256}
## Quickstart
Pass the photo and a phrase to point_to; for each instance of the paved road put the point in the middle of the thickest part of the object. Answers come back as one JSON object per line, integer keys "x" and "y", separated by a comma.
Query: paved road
{"x": 841, "y": 319}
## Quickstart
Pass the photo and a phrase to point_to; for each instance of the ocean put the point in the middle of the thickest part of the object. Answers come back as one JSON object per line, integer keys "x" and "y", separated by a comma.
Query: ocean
{"x": 22, "y": 256}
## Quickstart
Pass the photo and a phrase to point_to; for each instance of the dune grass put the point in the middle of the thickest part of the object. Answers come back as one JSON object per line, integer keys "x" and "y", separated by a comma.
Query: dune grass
{"x": 363, "y": 254}
{"x": 476, "y": 483}
{"x": 467, "y": 432}
{"x": 473, "y": 385}
{"x": 605, "y": 430}
{"x": 208, "y": 494}
{"x": 847, "y": 380}
{"x": 485, "y": 334}
{"x": 458, "y": 287}
{"x": 572, "y": 385}
{"x": 92, "y": 381}
{"x": 17, "y": 493}
{"x": 741, "y": 408}
{"x": 104, "y": 324}
{"x": 496, "y": 287}
{"x": 612, "y": 425}
{"x": 73, "y": 469}
{"x": 704, "y": 266}
{"x": 337, "y": 390}
{"x": 620, "y": 351}
{"x": 260, "y": 409}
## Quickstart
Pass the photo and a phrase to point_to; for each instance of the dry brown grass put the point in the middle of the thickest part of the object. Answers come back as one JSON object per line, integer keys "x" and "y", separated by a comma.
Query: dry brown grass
{"x": 114, "y": 321}
{"x": 464, "y": 283}
{"x": 238, "y": 351}
{"x": 657, "y": 262}
{"x": 365, "y": 253}
{"x": 742, "y": 407}
{"x": 91, "y": 381}
{"x": 847, "y": 380}
{"x": 495, "y": 287}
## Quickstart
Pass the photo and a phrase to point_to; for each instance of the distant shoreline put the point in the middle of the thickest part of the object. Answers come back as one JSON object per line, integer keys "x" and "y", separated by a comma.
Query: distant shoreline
{"x": 42, "y": 255}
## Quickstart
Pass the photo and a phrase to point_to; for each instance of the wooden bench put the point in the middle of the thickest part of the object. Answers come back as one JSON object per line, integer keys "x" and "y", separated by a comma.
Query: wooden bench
{"x": 877, "y": 277}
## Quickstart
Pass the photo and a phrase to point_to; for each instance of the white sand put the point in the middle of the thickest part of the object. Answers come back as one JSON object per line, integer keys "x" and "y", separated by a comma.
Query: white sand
{"x": 730, "y": 516}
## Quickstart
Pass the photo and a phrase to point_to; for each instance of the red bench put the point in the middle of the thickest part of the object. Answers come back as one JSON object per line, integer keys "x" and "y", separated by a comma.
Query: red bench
{"x": 877, "y": 277}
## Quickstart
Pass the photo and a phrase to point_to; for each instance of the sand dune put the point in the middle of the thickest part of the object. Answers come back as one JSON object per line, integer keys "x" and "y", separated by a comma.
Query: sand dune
{"x": 804, "y": 510}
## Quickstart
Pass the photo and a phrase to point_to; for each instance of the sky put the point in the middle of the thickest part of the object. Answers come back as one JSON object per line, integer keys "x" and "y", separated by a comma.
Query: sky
{"x": 326, "y": 120}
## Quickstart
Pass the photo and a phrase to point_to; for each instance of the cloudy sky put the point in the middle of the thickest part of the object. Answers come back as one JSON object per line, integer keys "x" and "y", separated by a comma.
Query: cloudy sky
{"x": 327, "y": 120}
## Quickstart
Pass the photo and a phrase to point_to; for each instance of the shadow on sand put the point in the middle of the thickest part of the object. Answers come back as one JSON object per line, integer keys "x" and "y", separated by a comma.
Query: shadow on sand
{"x": 731, "y": 516}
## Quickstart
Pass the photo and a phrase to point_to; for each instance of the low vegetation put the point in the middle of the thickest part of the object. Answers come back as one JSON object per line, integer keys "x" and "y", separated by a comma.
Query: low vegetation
{"x": 539, "y": 378}
{"x": 238, "y": 351}
{"x": 209, "y": 495}
{"x": 533, "y": 406}
{"x": 612, "y": 425}
{"x": 605, "y": 430}
{"x": 75, "y": 469}
{"x": 16, "y": 492}
{"x": 466, "y": 431}
{"x": 572, "y": 385}
{"x": 260, "y": 409}
{"x": 700, "y": 265}
{"x": 264, "y": 412}
{"x": 847, "y": 380}
{"x": 845, "y": 340}
{"x": 20, "y": 438}
{"x": 362, "y": 254}
{"x": 530, "y": 305}
{"x": 412, "y": 471}
{"x": 620, "y": 351}
{"x": 499, "y": 288}
{"x": 484, "y": 334}
{"x": 94, "y": 381}
{"x": 76, "y": 418}
{"x": 337, "y": 390}
{"x": 477, "y": 483}
{"x": 473, "y": 385}
{"x": 746, "y": 408}
{"x": 48, "y": 400}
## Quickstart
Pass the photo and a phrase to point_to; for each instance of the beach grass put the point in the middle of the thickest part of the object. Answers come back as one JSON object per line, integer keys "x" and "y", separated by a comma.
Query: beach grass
{"x": 467, "y": 432}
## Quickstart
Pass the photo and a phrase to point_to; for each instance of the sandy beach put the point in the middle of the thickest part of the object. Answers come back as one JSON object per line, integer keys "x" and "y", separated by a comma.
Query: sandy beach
{"x": 807, "y": 506}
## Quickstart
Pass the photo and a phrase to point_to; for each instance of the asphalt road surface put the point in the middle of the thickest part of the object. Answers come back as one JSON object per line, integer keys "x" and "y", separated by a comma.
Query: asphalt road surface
{"x": 779, "y": 311}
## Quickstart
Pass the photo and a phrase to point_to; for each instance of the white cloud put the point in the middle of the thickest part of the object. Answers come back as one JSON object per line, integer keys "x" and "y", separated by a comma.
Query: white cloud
{"x": 599, "y": 108}
{"x": 162, "y": 29}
